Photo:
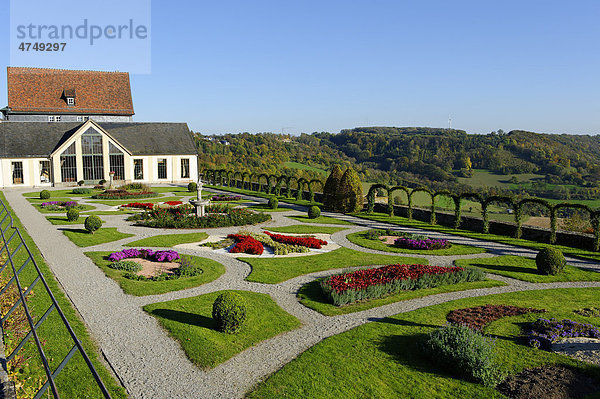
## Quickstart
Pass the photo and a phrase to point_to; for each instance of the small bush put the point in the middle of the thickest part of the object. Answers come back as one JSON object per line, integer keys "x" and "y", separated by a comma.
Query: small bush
{"x": 80, "y": 183}
{"x": 102, "y": 181}
{"x": 92, "y": 223}
{"x": 465, "y": 352}
{"x": 72, "y": 215}
{"x": 314, "y": 212}
{"x": 81, "y": 190}
{"x": 273, "y": 202}
{"x": 187, "y": 268}
{"x": 44, "y": 194}
{"x": 126, "y": 265}
{"x": 550, "y": 261}
{"x": 229, "y": 312}
{"x": 192, "y": 187}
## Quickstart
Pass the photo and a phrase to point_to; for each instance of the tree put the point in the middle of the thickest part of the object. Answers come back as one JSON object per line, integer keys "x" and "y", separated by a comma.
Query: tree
{"x": 331, "y": 187}
{"x": 350, "y": 194}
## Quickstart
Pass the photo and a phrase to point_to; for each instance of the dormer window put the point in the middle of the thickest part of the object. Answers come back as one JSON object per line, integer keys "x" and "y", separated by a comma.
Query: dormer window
{"x": 70, "y": 101}
{"x": 69, "y": 96}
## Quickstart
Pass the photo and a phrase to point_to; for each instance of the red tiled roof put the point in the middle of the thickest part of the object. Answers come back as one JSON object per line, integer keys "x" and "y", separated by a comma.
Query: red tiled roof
{"x": 43, "y": 90}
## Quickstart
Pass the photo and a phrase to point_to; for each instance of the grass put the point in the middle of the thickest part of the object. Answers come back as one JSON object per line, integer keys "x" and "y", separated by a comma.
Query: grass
{"x": 402, "y": 221}
{"x": 212, "y": 270}
{"x": 360, "y": 238}
{"x": 311, "y": 296}
{"x": 301, "y": 166}
{"x": 153, "y": 200}
{"x": 82, "y": 238}
{"x": 486, "y": 178}
{"x": 190, "y": 322}
{"x": 384, "y": 359}
{"x": 320, "y": 220}
{"x": 276, "y": 270}
{"x": 525, "y": 269}
{"x": 306, "y": 229}
{"x": 266, "y": 208}
{"x": 75, "y": 380}
{"x": 178, "y": 190}
{"x": 109, "y": 213}
{"x": 62, "y": 220}
{"x": 168, "y": 240}
{"x": 60, "y": 193}
{"x": 264, "y": 195}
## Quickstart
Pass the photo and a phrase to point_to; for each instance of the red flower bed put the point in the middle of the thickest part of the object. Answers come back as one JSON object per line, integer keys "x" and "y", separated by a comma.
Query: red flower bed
{"x": 478, "y": 317}
{"x": 140, "y": 205}
{"x": 173, "y": 203}
{"x": 246, "y": 244}
{"x": 309, "y": 242}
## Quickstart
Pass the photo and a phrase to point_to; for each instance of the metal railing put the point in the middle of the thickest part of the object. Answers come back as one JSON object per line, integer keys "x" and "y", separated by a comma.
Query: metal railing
{"x": 18, "y": 256}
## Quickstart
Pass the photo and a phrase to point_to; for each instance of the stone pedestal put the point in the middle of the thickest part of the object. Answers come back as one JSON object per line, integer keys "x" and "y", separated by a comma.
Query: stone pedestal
{"x": 199, "y": 203}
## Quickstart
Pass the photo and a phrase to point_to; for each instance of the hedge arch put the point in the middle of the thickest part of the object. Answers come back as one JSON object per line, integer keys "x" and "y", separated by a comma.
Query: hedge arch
{"x": 311, "y": 191}
{"x": 396, "y": 188}
{"x": 230, "y": 177}
{"x": 487, "y": 202}
{"x": 245, "y": 177}
{"x": 288, "y": 185}
{"x": 266, "y": 177}
{"x": 237, "y": 177}
{"x": 280, "y": 181}
{"x": 458, "y": 202}
{"x": 222, "y": 173}
{"x": 206, "y": 174}
{"x": 519, "y": 211}
{"x": 410, "y": 198}
{"x": 595, "y": 219}
{"x": 554, "y": 216}
{"x": 371, "y": 195}
{"x": 253, "y": 176}
{"x": 301, "y": 183}
{"x": 441, "y": 193}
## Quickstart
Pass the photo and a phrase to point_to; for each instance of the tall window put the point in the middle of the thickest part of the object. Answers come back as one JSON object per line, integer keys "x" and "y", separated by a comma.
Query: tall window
{"x": 91, "y": 148}
{"x": 117, "y": 161}
{"x": 138, "y": 169}
{"x": 185, "y": 168}
{"x": 68, "y": 165}
{"x": 162, "y": 168}
{"x": 17, "y": 172}
{"x": 44, "y": 171}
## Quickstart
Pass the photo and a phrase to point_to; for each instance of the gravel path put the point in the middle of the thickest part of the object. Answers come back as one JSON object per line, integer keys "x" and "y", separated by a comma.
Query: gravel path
{"x": 152, "y": 365}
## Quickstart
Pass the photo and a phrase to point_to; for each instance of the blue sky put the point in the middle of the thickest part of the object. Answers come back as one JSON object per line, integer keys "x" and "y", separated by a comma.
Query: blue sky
{"x": 307, "y": 66}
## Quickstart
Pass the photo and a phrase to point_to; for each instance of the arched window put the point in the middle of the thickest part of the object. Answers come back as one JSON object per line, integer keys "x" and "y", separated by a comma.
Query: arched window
{"x": 68, "y": 165}
{"x": 91, "y": 148}
{"x": 117, "y": 161}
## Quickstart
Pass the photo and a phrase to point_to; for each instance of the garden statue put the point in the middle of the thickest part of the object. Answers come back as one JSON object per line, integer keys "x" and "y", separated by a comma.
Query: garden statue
{"x": 199, "y": 203}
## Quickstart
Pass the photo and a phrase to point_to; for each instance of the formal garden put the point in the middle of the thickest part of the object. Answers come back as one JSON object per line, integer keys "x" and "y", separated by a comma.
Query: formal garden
{"x": 427, "y": 310}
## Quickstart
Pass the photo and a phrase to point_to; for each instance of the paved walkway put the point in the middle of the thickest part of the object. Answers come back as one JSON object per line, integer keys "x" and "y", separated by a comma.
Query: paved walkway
{"x": 152, "y": 365}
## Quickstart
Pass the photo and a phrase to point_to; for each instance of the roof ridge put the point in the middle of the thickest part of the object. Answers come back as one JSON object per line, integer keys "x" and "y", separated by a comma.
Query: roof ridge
{"x": 64, "y": 70}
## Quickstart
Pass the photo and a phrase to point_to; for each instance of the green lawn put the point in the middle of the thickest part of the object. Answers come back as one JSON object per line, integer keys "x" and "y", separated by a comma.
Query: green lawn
{"x": 276, "y": 270}
{"x": 62, "y": 220}
{"x": 168, "y": 240}
{"x": 265, "y": 208}
{"x": 402, "y": 221}
{"x": 82, "y": 238}
{"x": 306, "y": 229}
{"x": 301, "y": 166}
{"x": 80, "y": 207}
{"x": 360, "y": 238}
{"x": 486, "y": 178}
{"x": 525, "y": 269}
{"x": 264, "y": 195}
{"x": 60, "y": 193}
{"x": 383, "y": 359}
{"x": 212, "y": 271}
{"x": 190, "y": 322}
{"x": 311, "y": 295}
{"x": 109, "y": 213}
{"x": 75, "y": 380}
{"x": 123, "y": 202}
{"x": 320, "y": 220}
{"x": 178, "y": 190}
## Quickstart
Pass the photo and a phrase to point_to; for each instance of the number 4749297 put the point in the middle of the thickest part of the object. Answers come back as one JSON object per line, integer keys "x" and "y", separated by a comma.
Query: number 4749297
{"x": 42, "y": 46}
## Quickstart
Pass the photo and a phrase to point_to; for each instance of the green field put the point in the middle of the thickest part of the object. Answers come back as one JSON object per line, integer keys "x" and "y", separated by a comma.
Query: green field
{"x": 301, "y": 166}
{"x": 485, "y": 178}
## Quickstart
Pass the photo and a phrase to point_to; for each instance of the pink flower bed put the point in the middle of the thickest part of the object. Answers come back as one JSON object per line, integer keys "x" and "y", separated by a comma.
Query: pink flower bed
{"x": 309, "y": 242}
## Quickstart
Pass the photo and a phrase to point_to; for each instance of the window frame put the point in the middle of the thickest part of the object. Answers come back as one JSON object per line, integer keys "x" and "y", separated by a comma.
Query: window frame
{"x": 48, "y": 169}
{"x": 70, "y": 101}
{"x": 185, "y": 161}
{"x": 141, "y": 161}
{"x": 158, "y": 166}
{"x": 15, "y": 172}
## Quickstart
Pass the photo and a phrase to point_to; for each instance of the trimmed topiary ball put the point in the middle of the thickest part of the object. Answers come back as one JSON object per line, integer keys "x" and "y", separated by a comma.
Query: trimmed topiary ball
{"x": 44, "y": 194}
{"x": 229, "y": 312}
{"x": 92, "y": 223}
{"x": 550, "y": 261}
{"x": 192, "y": 187}
{"x": 314, "y": 212}
{"x": 102, "y": 181}
{"x": 80, "y": 183}
{"x": 72, "y": 215}
{"x": 273, "y": 203}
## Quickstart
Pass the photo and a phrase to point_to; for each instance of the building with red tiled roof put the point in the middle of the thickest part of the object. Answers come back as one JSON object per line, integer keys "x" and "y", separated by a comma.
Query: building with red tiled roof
{"x": 59, "y": 95}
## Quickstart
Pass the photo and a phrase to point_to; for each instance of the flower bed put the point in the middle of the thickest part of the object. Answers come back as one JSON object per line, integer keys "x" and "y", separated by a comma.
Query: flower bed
{"x": 278, "y": 248}
{"x": 225, "y": 198}
{"x": 478, "y": 317}
{"x": 309, "y": 242}
{"x": 246, "y": 244}
{"x": 173, "y": 203}
{"x": 124, "y": 194}
{"x": 544, "y": 332}
{"x": 155, "y": 256}
{"x": 139, "y": 205}
{"x": 62, "y": 204}
{"x": 377, "y": 282}
{"x": 422, "y": 243}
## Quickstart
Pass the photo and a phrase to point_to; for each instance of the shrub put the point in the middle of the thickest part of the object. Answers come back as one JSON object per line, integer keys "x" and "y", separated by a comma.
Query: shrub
{"x": 80, "y": 183}
{"x": 102, "y": 181}
{"x": 465, "y": 352}
{"x": 550, "y": 261}
{"x": 314, "y": 212}
{"x": 273, "y": 202}
{"x": 331, "y": 186}
{"x": 72, "y": 215}
{"x": 92, "y": 223}
{"x": 44, "y": 194}
{"x": 349, "y": 193}
{"x": 81, "y": 190}
{"x": 126, "y": 265}
{"x": 192, "y": 187}
{"x": 187, "y": 268}
{"x": 229, "y": 312}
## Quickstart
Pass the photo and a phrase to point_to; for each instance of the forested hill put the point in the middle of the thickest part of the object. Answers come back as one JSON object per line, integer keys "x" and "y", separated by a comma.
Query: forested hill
{"x": 432, "y": 156}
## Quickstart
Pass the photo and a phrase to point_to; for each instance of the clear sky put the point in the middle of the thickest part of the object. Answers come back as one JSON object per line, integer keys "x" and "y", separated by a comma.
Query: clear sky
{"x": 256, "y": 66}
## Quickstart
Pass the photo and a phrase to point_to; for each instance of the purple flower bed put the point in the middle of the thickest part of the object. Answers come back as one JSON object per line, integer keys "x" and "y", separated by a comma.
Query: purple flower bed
{"x": 226, "y": 198}
{"x": 66, "y": 204}
{"x": 425, "y": 244}
{"x": 155, "y": 256}
{"x": 545, "y": 332}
